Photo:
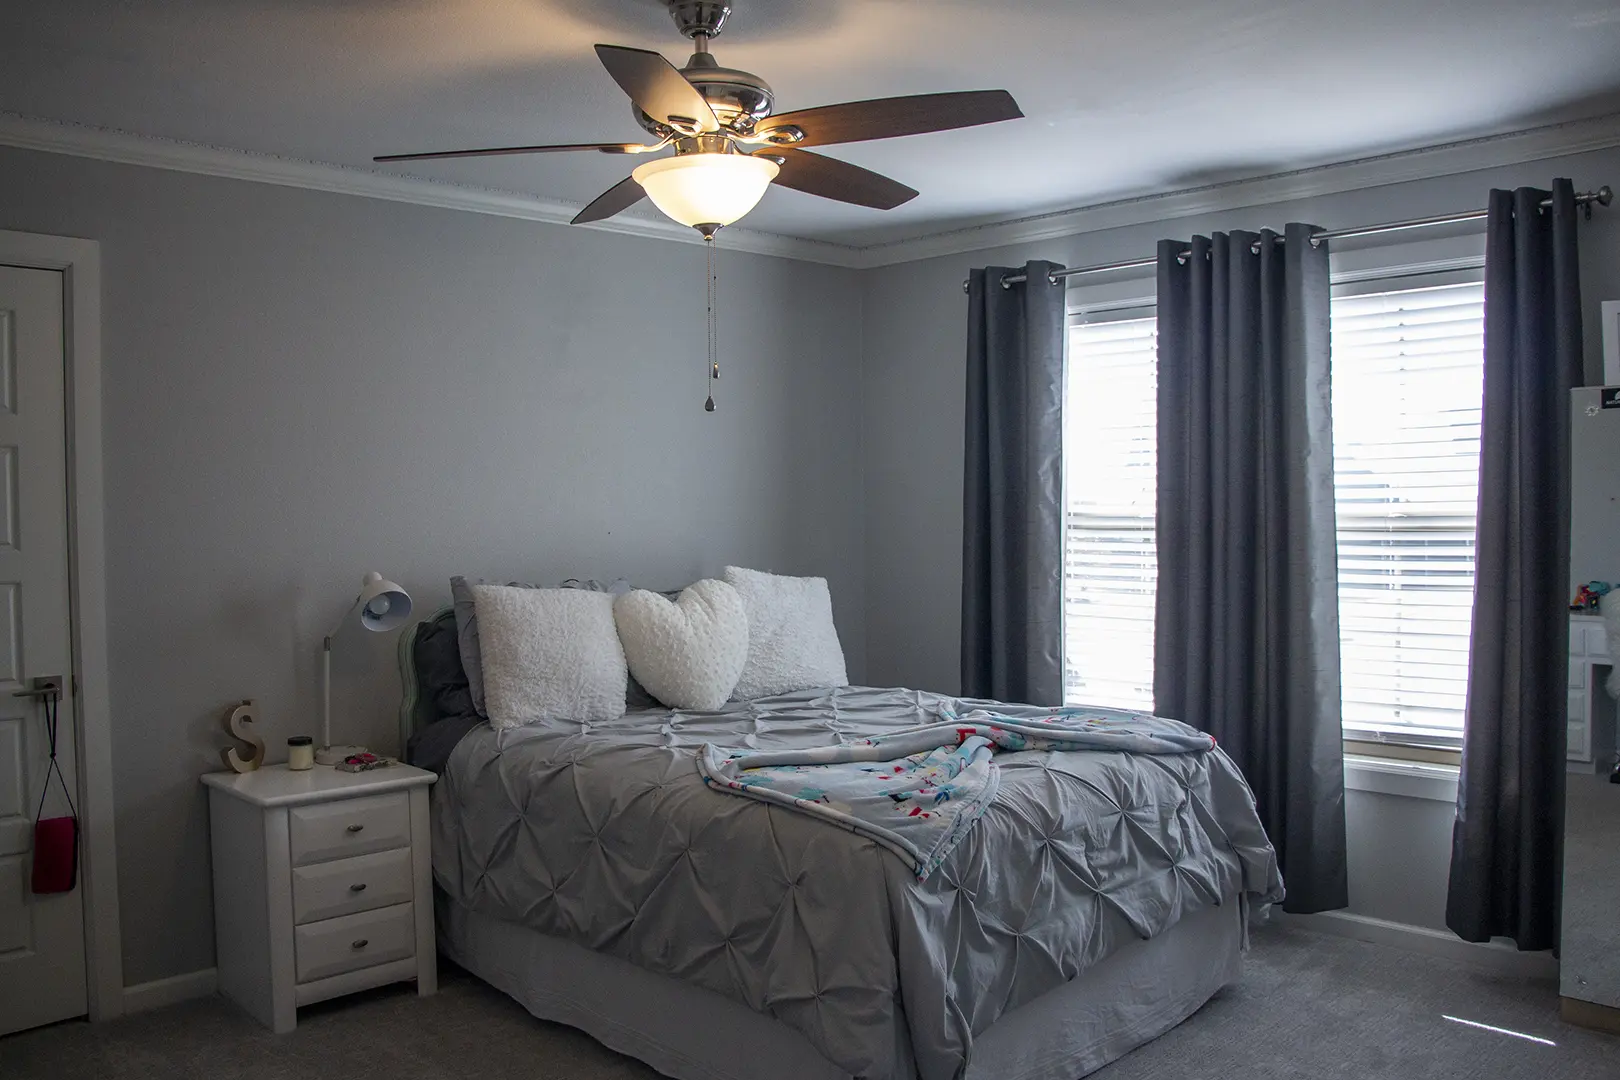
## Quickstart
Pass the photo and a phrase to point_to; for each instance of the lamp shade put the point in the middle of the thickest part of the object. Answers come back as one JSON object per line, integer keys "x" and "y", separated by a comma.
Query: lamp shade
{"x": 383, "y": 605}
{"x": 706, "y": 189}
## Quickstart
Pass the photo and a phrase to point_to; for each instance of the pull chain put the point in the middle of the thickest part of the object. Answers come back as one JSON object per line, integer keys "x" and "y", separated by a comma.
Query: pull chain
{"x": 714, "y": 307}
{"x": 713, "y": 287}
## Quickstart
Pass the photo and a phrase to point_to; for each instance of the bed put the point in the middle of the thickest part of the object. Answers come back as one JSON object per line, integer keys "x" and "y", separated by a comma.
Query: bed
{"x": 589, "y": 873}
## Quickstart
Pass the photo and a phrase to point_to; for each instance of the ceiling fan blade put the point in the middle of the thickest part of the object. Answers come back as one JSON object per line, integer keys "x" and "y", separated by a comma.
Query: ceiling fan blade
{"x": 888, "y": 118}
{"x": 657, "y": 87}
{"x": 621, "y": 196}
{"x": 497, "y": 151}
{"x": 838, "y": 180}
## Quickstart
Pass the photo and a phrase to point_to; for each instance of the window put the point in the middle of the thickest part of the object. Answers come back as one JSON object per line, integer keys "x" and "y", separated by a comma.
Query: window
{"x": 1110, "y": 465}
{"x": 1407, "y": 386}
{"x": 1408, "y": 380}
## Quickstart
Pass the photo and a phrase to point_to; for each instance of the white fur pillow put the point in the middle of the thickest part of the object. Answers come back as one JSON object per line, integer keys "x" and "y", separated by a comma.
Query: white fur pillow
{"x": 549, "y": 654}
{"x": 689, "y": 652}
{"x": 792, "y": 642}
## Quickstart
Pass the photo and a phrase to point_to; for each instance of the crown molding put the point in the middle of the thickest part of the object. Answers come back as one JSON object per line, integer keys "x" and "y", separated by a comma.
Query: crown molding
{"x": 1446, "y": 159}
{"x": 127, "y": 148}
{"x": 1492, "y": 151}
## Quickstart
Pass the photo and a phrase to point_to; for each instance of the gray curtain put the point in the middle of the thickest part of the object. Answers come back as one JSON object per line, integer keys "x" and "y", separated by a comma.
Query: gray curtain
{"x": 1012, "y": 497}
{"x": 1507, "y": 843}
{"x": 1246, "y": 645}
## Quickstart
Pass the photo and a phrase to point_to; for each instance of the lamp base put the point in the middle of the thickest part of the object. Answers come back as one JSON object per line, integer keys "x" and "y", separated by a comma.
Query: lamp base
{"x": 332, "y": 755}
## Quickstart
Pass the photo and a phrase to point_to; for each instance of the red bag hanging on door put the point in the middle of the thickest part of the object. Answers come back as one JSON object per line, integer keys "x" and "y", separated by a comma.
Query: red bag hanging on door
{"x": 56, "y": 840}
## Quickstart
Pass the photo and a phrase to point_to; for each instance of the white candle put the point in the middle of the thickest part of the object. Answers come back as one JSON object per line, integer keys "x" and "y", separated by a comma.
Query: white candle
{"x": 300, "y": 752}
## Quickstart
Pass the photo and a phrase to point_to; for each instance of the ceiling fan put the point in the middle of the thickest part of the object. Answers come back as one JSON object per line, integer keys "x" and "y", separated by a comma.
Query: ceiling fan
{"x": 729, "y": 145}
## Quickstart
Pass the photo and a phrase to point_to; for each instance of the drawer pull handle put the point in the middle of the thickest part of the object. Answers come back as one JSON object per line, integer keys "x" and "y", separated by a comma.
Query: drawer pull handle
{"x": 356, "y": 828}
{"x": 358, "y": 887}
{"x": 359, "y": 943}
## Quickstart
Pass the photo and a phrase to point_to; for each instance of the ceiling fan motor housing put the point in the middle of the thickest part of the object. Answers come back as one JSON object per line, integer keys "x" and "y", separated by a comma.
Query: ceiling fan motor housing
{"x": 740, "y": 99}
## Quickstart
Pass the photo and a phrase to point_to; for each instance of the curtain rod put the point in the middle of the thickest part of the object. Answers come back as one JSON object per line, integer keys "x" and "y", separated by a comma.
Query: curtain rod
{"x": 1603, "y": 196}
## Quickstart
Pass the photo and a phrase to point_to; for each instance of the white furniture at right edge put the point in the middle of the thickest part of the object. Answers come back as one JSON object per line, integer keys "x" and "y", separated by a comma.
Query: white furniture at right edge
{"x": 1589, "y": 956}
{"x": 322, "y": 885}
{"x": 1594, "y": 555}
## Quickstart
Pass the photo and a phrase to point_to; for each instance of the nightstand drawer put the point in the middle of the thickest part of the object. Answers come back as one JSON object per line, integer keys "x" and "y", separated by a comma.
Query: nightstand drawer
{"x": 1597, "y": 641}
{"x": 347, "y": 827}
{"x": 333, "y": 946}
{"x": 342, "y": 887}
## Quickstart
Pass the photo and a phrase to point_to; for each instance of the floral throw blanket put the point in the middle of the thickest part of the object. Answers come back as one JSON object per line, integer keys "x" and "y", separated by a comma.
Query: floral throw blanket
{"x": 918, "y": 792}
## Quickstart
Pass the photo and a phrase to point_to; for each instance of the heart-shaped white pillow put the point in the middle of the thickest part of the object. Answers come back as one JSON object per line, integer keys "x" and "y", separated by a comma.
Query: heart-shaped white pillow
{"x": 688, "y": 653}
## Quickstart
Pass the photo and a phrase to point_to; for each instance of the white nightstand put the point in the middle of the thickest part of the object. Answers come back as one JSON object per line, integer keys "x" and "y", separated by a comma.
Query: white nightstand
{"x": 322, "y": 885}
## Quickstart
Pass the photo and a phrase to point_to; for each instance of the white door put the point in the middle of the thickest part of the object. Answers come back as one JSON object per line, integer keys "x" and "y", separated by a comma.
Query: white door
{"x": 42, "y": 975}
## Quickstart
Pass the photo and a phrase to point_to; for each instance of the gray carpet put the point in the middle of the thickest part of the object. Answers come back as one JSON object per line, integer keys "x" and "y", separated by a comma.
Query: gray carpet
{"x": 1309, "y": 1005}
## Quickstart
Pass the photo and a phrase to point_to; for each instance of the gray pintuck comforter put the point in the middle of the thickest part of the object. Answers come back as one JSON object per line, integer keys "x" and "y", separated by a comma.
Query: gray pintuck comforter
{"x": 606, "y": 835}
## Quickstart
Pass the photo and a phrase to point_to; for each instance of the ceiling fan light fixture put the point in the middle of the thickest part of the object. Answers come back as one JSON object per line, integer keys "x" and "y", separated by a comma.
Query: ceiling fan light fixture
{"x": 706, "y": 189}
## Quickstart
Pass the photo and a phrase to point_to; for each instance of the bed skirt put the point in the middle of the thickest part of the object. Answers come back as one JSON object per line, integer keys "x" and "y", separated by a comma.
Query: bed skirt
{"x": 1133, "y": 996}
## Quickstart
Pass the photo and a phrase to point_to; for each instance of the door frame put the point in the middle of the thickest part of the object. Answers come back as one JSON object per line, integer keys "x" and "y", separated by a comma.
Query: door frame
{"x": 80, "y": 264}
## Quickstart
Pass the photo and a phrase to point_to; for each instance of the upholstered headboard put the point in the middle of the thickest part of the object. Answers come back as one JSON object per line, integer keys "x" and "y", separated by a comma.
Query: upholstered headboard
{"x": 430, "y": 673}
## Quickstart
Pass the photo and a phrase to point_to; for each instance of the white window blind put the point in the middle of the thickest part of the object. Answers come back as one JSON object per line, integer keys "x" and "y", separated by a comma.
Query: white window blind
{"x": 1407, "y": 387}
{"x": 1110, "y": 467}
{"x": 1408, "y": 380}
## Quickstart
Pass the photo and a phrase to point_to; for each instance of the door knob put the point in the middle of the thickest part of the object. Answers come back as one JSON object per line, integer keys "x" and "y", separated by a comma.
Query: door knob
{"x": 46, "y": 687}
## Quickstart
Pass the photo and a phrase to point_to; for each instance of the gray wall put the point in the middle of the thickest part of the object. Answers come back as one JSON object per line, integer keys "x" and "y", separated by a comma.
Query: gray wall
{"x": 915, "y": 336}
{"x": 300, "y": 387}
{"x": 1398, "y": 854}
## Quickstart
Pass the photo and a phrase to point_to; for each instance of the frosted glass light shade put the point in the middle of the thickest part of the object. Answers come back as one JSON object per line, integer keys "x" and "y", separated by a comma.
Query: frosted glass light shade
{"x": 706, "y": 189}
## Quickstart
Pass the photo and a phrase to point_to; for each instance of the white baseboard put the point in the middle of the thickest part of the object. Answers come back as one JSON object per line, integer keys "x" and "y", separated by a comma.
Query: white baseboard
{"x": 176, "y": 988}
{"x": 1494, "y": 957}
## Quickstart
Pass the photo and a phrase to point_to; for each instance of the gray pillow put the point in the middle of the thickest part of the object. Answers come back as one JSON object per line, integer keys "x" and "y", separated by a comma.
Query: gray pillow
{"x": 472, "y": 661}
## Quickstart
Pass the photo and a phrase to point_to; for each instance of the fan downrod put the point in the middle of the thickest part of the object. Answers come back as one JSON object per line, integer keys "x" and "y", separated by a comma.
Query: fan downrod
{"x": 699, "y": 18}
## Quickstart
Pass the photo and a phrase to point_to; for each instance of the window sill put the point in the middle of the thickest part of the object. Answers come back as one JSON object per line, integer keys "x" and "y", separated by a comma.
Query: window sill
{"x": 1409, "y": 779}
{"x": 1419, "y": 749}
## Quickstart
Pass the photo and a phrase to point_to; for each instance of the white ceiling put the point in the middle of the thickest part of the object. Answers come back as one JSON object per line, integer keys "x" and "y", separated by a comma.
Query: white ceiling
{"x": 1121, "y": 99}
